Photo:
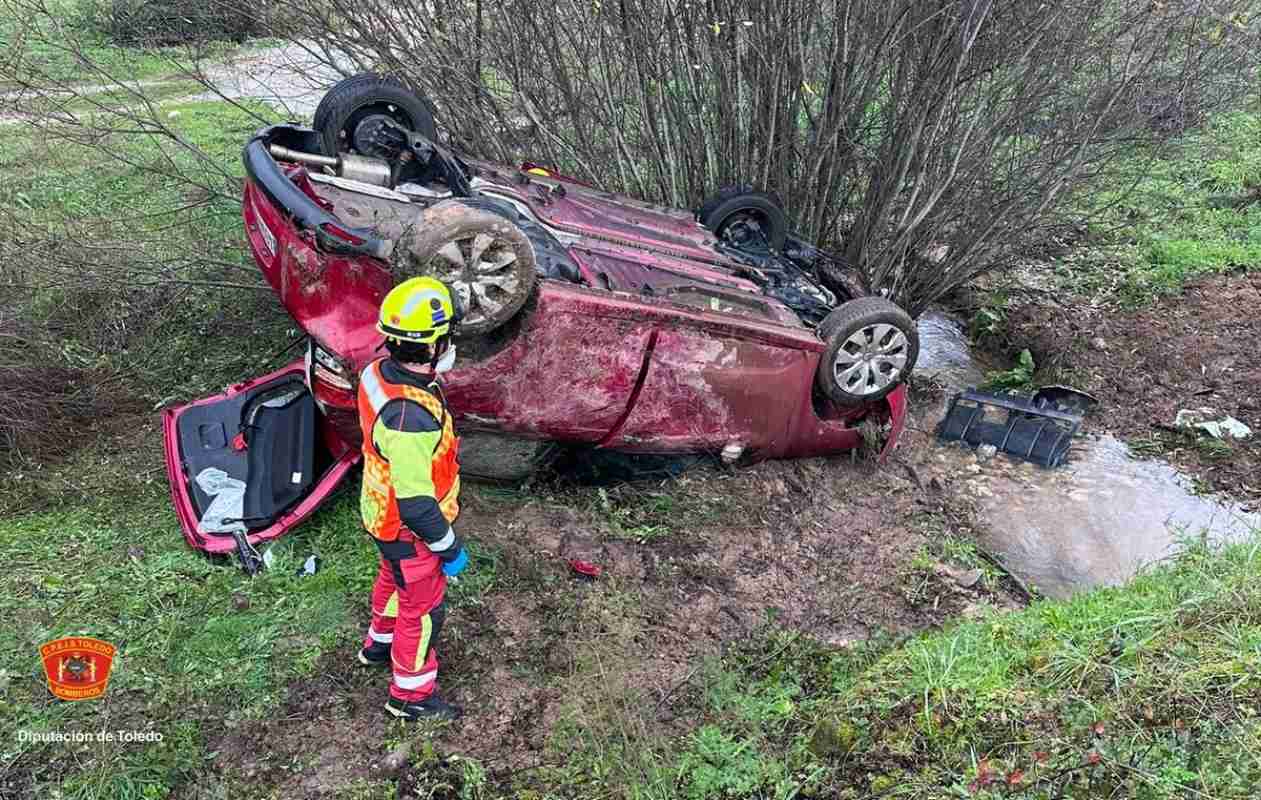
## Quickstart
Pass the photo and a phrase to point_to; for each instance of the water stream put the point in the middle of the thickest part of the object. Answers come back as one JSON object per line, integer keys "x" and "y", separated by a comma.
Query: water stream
{"x": 1098, "y": 519}
{"x": 945, "y": 353}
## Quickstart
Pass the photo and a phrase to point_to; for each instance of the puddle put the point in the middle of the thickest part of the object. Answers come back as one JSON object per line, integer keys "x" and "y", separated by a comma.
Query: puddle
{"x": 1095, "y": 521}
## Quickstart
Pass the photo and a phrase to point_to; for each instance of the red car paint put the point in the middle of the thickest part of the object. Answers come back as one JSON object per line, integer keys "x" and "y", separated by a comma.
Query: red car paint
{"x": 586, "y": 568}
{"x": 717, "y": 365}
{"x": 608, "y": 368}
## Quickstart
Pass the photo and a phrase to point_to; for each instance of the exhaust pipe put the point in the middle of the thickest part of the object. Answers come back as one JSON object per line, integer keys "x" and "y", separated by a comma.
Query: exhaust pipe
{"x": 303, "y": 158}
{"x": 349, "y": 166}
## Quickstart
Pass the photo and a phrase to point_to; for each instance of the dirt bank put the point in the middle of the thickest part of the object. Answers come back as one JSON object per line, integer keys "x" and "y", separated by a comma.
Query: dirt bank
{"x": 1197, "y": 349}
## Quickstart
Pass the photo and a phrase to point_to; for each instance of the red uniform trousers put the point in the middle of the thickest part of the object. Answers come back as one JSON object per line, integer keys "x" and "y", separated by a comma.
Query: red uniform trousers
{"x": 407, "y": 613}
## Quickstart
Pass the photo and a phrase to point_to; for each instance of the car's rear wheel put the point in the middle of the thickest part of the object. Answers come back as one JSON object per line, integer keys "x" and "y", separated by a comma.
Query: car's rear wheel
{"x": 486, "y": 260}
{"x": 350, "y": 113}
{"x": 321, "y": 111}
{"x": 746, "y": 219}
{"x": 872, "y": 345}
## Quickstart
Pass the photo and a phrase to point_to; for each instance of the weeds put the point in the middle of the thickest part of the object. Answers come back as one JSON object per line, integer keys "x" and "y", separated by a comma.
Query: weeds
{"x": 1018, "y": 378}
{"x": 718, "y": 765}
{"x": 637, "y": 521}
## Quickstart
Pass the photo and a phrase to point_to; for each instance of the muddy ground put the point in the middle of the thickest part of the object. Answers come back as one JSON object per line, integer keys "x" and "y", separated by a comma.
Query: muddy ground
{"x": 836, "y": 549}
{"x": 1194, "y": 350}
{"x": 832, "y": 548}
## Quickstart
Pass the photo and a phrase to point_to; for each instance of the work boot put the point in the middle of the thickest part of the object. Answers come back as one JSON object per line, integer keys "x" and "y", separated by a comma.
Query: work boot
{"x": 376, "y": 654}
{"x": 432, "y": 707}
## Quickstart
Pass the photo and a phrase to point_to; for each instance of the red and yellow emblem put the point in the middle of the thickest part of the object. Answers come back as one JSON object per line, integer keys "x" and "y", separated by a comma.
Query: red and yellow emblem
{"x": 77, "y": 666}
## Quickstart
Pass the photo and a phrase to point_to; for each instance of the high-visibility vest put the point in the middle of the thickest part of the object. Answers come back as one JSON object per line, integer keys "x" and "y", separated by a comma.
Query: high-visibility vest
{"x": 378, "y": 503}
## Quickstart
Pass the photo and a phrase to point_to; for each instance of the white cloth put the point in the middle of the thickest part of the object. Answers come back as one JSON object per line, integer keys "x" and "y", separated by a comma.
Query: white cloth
{"x": 228, "y": 501}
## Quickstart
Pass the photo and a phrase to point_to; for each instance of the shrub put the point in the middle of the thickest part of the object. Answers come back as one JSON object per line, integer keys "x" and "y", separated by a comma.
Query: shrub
{"x": 169, "y": 22}
{"x": 891, "y": 128}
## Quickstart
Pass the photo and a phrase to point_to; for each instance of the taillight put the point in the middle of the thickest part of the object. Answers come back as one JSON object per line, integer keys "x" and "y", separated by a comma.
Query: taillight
{"x": 269, "y": 238}
{"x": 341, "y": 234}
{"x": 327, "y": 369}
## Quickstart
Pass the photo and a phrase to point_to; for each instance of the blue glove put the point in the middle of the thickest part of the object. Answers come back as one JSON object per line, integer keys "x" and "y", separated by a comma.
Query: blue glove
{"x": 456, "y": 565}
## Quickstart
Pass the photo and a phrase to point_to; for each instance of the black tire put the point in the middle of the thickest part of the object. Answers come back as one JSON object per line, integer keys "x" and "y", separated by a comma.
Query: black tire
{"x": 321, "y": 111}
{"x": 872, "y": 345}
{"x": 491, "y": 298}
{"x": 356, "y": 99}
{"x": 719, "y": 212}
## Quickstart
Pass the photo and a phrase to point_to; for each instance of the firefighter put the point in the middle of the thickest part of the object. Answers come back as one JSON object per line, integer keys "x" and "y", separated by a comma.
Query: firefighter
{"x": 410, "y": 497}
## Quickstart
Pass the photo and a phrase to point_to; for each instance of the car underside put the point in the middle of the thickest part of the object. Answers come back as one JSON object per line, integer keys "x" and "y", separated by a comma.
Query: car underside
{"x": 591, "y": 319}
{"x": 580, "y": 235}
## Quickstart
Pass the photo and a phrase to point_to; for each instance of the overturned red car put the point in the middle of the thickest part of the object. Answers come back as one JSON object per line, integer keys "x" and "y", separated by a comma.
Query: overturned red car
{"x": 591, "y": 319}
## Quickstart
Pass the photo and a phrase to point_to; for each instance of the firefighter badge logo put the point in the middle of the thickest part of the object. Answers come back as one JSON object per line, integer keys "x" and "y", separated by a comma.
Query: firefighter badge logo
{"x": 77, "y": 667}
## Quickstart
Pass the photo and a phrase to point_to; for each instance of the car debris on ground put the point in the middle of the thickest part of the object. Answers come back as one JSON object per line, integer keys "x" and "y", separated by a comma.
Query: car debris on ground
{"x": 1211, "y": 422}
{"x": 1038, "y": 428}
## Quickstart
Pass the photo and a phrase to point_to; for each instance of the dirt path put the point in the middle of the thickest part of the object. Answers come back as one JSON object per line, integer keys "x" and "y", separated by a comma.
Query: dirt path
{"x": 289, "y": 78}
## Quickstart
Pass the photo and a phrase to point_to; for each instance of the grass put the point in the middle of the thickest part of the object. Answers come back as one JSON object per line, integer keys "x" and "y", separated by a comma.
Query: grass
{"x": 1152, "y": 690}
{"x": 192, "y": 636}
{"x": 1195, "y": 210}
{"x": 200, "y": 646}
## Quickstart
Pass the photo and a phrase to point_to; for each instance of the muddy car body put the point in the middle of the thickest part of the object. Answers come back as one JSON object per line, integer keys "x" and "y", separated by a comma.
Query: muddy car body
{"x": 643, "y": 332}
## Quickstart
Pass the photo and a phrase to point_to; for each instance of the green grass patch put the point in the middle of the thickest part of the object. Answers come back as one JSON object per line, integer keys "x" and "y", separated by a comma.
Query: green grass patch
{"x": 200, "y": 643}
{"x": 1194, "y": 210}
{"x": 195, "y": 639}
{"x": 1152, "y": 690}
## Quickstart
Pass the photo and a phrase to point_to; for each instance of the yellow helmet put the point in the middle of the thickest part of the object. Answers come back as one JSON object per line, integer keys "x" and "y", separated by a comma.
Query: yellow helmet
{"x": 417, "y": 310}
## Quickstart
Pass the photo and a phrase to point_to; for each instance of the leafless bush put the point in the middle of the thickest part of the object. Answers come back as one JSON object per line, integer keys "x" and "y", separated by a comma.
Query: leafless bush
{"x": 891, "y": 128}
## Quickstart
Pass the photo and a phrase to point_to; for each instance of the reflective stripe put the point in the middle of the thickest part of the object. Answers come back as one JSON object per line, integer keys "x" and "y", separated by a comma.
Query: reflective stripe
{"x": 443, "y": 543}
{"x": 426, "y": 633}
{"x": 391, "y": 606}
{"x": 371, "y": 384}
{"x": 411, "y": 682}
{"x": 380, "y": 637}
{"x": 414, "y": 300}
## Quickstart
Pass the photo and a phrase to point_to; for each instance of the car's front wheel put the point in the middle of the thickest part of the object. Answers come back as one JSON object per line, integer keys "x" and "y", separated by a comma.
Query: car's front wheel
{"x": 872, "y": 345}
{"x": 486, "y": 260}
